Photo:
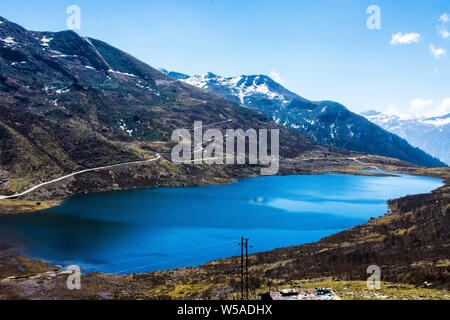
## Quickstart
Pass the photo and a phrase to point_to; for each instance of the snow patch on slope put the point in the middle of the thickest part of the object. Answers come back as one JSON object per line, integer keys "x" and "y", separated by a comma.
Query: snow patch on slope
{"x": 238, "y": 87}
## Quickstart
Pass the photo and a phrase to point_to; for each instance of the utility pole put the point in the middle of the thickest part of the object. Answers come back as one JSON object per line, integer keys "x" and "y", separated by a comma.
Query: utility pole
{"x": 242, "y": 267}
{"x": 246, "y": 269}
{"x": 244, "y": 273}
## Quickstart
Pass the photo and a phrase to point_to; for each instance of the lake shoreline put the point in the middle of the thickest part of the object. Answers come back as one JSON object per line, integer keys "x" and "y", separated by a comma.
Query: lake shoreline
{"x": 41, "y": 200}
{"x": 32, "y": 267}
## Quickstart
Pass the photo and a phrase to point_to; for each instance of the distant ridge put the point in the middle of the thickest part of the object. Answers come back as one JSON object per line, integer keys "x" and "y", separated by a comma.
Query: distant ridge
{"x": 431, "y": 134}
{"x": 173, "y": 74}
{"x": 327, "y": 122}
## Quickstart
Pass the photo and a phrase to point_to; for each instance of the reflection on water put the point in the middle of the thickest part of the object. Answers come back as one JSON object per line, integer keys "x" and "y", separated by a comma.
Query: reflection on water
{"x": 154, "y": 229}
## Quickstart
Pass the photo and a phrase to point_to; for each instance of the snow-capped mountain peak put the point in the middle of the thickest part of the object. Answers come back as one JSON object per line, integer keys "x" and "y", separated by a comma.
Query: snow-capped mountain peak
{"x": 327, "y": 122}
{"x": 243, "y": 89}
{"x": 429, "y": 134}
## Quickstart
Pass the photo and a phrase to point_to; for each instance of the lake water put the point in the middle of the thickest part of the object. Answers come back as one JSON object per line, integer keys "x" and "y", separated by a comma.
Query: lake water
{"x": 155, "y": 229}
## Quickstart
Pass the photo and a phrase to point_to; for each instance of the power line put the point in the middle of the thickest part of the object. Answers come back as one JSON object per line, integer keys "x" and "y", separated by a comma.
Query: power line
{"x": 182, "y": 252}
{"x": 171, "y": 260}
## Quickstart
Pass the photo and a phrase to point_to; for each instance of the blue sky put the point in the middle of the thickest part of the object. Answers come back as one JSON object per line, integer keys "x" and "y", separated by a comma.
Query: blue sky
{"x": 320, "y": 49}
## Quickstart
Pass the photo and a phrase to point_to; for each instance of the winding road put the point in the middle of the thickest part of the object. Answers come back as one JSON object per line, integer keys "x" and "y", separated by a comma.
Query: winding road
{"x": 365, "y": 164}
{"x": 158, "y": 156}
{"x": 354, "y": 159}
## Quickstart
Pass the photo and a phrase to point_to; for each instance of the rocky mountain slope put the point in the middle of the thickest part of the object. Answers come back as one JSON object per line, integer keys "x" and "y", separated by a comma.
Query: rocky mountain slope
{"x": 327, "y": 122}
{"x": 429, "y": 134}
{"x": 69, "y": 102}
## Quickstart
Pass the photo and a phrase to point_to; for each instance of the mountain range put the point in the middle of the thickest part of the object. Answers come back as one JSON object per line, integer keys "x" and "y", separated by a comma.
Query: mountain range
{"x": 69, "y": 102}
{"x": 430, "y": 134}
{"x": 326, "y": 122}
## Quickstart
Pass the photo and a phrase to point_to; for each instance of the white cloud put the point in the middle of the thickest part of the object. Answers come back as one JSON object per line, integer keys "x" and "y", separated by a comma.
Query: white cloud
{"x": 436, "y": 52}
{"x": 275, "y": 76}
{"x": 405, "y": 38}
{"x": 426, "y": 108}
{"x": 445, "y": 17}
{"x": 444, "y": 107}
{"x": 444, "y": 33}
{"x": 420, "y": 104}
{"x": 393, "y": 109}
{"x": 420, "y": 108}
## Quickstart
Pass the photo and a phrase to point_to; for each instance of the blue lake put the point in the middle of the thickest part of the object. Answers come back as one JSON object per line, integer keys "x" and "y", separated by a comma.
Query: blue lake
{"x": 164, "y": 228}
